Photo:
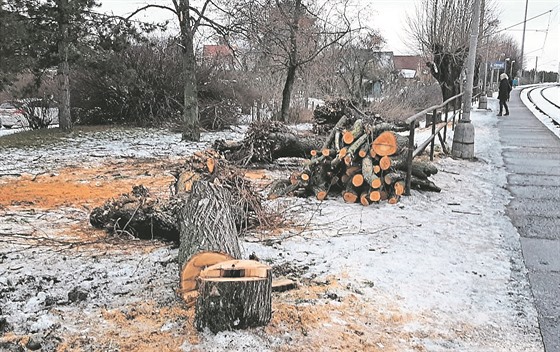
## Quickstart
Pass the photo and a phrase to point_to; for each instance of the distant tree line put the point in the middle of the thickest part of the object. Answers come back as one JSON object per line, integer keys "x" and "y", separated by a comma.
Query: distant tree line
{"x": 108, "y": 69}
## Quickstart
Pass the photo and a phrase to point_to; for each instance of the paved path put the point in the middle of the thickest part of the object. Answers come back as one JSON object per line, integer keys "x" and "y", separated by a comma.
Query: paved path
{"x": 532, "y": 156}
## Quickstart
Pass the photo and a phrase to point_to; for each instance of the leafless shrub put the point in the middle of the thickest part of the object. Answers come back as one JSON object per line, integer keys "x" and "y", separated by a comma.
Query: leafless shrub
{"x": 402, "y": 101}
{"x": 39, "y": 113}
{"x": 300, "y": 115}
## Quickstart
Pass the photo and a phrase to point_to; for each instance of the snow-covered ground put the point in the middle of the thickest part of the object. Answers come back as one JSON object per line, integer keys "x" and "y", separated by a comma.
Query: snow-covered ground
{"x": 435, "y": 272}
{"x": 539, "y": 105}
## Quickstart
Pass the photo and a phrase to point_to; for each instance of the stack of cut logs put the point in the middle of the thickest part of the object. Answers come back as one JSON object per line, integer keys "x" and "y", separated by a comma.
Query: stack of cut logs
{"x": 366, "y": 163}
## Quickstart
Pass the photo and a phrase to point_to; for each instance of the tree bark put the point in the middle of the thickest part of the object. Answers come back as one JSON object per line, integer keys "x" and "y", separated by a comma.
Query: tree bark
{"x": 64, "y": 118}
{"x": 446, "y": 69}
{"x": 287, "y": 92}
{"x": 207, "y": 223}
{"x": 292, "y": 63}
{"x": 191, "y": 124}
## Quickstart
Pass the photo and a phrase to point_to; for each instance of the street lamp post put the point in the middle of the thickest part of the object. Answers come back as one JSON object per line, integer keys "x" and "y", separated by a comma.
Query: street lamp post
{"x": 520, "y": 68}
{"x": 510, "y": 67}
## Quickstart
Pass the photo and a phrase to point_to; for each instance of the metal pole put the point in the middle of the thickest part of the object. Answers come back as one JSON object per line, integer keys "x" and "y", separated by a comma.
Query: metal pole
{"x": 491, "y": 82}
{"x": 432, "y": 146}
{"x": 446, "y": 119}
{"x": 520, "y": 69}
{"x": 536, "y": 62}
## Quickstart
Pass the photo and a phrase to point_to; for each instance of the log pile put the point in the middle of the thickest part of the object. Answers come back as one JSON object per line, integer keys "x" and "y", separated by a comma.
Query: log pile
{"x": 363, "y": 162}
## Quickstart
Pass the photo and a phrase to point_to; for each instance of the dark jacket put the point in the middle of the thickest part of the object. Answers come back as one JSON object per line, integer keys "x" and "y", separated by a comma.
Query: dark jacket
{"x": 505, "y": 88}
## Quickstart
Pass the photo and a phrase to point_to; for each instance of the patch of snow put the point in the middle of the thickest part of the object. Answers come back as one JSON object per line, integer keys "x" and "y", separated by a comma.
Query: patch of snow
{"x": 450, "y": 262}
{"x": 554, "y": 128}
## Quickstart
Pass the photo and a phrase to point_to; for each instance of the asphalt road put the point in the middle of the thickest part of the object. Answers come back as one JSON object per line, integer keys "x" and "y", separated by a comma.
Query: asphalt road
{"x": 532, "y": 157}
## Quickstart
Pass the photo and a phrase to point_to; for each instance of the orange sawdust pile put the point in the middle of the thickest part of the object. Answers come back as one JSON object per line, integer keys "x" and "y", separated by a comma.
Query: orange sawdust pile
{"x": 88, "y": 187}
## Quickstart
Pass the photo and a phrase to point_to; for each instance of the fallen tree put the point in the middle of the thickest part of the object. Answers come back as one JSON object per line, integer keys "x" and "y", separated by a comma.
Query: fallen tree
{"x": 207, "y": 222}
{"x": 141, "y": 215}
{"x": 208, "y": 234}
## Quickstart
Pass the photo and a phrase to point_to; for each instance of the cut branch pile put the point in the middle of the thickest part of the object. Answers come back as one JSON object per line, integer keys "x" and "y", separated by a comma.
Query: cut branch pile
{"x": 266, "y": 141}
{"x": 326, "y": 116}
{"x": 137, "y": 214}
{"x": 211, "y": 166}
{"x": 363, "y": 162}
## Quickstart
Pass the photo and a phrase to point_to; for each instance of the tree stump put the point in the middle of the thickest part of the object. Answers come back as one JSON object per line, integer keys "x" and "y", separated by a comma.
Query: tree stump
{"x": 207, "y": 223}
{"x": 235, "y": 294}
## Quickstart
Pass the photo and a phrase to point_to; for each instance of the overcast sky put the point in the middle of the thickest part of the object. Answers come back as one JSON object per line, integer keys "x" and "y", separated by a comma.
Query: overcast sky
{"x": 542, "y": 36}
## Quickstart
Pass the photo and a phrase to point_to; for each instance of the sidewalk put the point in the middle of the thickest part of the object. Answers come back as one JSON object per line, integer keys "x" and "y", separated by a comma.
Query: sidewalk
{"x": 531, "y": 154}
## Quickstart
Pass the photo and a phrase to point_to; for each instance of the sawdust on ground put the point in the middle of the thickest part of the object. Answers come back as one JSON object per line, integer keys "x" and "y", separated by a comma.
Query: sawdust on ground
{"x": 83, "y": 187}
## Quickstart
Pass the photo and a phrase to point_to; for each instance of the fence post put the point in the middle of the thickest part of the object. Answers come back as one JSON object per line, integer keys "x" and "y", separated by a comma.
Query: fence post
{"x": 433, "y": 143}
{"x": 454, "y": 113}
{"x": 445, "y": 127}
{"x": 409, "y": 157}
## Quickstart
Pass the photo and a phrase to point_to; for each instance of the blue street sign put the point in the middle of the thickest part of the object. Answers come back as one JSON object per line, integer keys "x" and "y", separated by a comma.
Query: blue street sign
{"x": 498, "y": 65}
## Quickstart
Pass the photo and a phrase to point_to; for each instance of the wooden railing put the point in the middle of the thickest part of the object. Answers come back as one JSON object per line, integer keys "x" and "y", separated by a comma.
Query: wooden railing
{"x": 448, "y": 105}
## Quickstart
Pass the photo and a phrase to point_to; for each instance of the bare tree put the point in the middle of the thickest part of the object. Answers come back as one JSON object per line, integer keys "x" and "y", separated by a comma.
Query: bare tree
{"x": 191, "y": 18}
{"x": 357, "y": 62}
{"x": 441, "y": 29}
{"x": 292, "y": 33}
{"x": 504, "y": 48}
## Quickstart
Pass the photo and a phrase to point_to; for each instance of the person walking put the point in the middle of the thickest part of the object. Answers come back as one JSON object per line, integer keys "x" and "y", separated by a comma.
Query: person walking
{"x": 503, "y": 93}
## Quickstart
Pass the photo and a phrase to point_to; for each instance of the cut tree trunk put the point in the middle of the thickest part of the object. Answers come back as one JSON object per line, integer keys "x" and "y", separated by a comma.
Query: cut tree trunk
{"x": 234, "y": 295}
{"x": 385, "y": 144}
{"x": 207, "y": 223}
{"x": 191, "y": 271}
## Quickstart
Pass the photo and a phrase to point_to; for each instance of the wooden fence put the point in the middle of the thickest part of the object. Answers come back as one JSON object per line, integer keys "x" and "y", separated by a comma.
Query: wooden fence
{"x": 448, "y": 106}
